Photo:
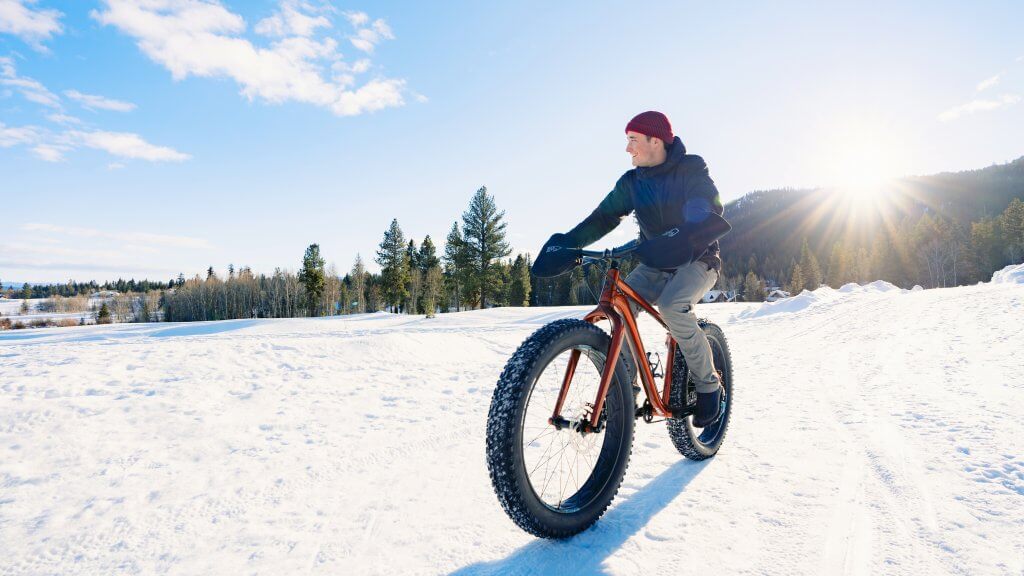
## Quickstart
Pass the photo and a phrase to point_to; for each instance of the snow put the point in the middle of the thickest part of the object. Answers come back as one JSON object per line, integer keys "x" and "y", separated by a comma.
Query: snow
{"x": 875, "y": 431}
{"x": 1012, "y": 274}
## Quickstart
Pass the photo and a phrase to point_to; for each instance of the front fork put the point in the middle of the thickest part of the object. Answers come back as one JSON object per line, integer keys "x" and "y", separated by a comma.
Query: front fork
{"x": 611, "y": 360}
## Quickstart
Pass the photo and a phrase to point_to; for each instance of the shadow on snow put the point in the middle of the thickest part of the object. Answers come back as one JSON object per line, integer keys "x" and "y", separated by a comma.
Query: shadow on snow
{"x": 585, "y": 553}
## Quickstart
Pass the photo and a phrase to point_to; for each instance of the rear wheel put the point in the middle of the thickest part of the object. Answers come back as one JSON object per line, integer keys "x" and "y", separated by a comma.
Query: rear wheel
{"x": 555, "y": 483}
{"x": 692, "y": 442}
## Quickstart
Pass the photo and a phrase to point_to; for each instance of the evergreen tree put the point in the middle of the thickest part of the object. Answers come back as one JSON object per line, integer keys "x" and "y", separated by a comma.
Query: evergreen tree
{"x": 519, "y": 287}
{"x": 484, "y": 235}
{"x": 809, "y": 267}
{"x": 1012, "y": 221}
{"x": 986, "y": 246}
{"x": 414, "y": 282}
{"x": 433, "y": 284}
{"x": 358, "y": 276}
{"x": 837, "y": 267}
{"x": 427, "y": 257}
{"x": 209, "y": 276}
{"x": 796, "y": 279}
{"x": 394, "y": 264}
{"x": 103, "y": 317}
{"x": 456, "y": 263}
{"x": 312, "y": 277}
{"x": 753, "y": 288}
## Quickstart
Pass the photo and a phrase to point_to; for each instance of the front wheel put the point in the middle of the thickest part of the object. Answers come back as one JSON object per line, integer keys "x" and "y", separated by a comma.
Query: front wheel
{"x": 692, "y": 442}
{"x": 553, "y": 482}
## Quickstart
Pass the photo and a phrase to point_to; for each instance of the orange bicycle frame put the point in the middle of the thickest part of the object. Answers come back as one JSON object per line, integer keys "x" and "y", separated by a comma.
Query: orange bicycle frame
{"x": 614, "y": 306}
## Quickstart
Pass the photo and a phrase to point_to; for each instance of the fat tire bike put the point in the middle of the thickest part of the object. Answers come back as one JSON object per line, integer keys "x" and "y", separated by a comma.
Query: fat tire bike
{"x": 561, "y": 421}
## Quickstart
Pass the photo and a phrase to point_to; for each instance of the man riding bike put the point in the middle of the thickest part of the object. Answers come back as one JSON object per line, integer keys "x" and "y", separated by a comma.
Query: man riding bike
{"x": 679, "y": 214}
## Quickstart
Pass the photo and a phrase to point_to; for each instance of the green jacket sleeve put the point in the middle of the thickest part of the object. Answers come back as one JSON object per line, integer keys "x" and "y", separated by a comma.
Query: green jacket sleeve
{"x": 608, "y": 214}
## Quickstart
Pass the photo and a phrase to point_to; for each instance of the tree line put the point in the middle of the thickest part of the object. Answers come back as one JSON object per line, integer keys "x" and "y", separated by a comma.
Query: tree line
{"x": 932, "y": 250}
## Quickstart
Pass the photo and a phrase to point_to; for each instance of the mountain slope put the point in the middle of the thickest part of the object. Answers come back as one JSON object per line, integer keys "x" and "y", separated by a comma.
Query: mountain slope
{"x": 772, "y": 224}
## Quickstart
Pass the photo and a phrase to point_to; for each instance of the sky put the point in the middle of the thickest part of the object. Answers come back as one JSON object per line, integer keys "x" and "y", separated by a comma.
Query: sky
{"x": 149, "y": 138}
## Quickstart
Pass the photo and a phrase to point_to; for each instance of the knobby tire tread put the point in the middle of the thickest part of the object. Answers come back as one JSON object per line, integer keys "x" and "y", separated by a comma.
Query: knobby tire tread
{"x": 679, "y": 429}
{"x": 503, "y": 419}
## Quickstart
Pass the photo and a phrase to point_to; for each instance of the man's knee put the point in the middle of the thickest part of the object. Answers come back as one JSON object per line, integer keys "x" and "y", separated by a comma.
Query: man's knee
{"x": 681, "y": 320}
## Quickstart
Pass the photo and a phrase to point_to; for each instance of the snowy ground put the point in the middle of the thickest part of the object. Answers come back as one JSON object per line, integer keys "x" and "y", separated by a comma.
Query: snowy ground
{"x": 875, "y": 431}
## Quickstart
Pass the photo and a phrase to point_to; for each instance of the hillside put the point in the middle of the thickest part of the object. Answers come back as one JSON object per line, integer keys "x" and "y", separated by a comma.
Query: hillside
{"x": 772, "y": 224}
{"x": 875, "y": 431}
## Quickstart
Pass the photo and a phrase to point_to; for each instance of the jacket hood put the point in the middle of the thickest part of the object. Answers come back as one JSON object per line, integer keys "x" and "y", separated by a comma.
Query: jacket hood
{"x": 676, "y": 152}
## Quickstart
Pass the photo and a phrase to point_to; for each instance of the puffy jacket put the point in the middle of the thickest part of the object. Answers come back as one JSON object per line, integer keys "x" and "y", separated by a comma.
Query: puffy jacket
{"x": 676, "y": 192}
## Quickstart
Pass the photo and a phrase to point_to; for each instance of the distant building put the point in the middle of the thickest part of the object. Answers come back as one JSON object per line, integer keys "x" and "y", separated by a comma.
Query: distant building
{"x": 719, "y": 296}
{"x": 777, "y": 294}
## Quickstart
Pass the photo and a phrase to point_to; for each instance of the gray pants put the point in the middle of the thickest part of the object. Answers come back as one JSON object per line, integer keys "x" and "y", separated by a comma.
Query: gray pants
{"x": 675, "y": 294}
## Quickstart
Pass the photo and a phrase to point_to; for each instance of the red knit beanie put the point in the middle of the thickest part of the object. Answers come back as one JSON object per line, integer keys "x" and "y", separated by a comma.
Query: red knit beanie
{"x": 652, "y": 124}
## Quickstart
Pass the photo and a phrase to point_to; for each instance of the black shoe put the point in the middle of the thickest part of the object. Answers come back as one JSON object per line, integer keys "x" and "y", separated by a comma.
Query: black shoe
{"x": 708, "y": 406}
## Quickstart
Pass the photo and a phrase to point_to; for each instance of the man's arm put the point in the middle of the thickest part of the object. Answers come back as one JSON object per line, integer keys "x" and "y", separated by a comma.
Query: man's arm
{"x": 702, "y": 196}
{"x": 608, "y": 214}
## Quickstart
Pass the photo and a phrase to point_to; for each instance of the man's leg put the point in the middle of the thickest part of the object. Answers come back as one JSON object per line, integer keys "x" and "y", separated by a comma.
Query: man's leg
{"x": 647, "y": 282}
{"x": 683, "y": 291}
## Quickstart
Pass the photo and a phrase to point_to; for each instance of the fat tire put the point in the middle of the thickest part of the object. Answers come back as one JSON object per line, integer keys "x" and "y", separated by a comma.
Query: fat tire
{"x": 505, "y": 461}
{"x": 684, "y": 436}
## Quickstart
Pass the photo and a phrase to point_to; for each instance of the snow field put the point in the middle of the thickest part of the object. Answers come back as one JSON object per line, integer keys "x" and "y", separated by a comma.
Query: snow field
{"x": 875, "y": 431}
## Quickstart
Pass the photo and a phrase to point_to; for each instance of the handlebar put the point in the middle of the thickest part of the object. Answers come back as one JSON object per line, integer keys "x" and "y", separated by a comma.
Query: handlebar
{"x": 608, "y": 253}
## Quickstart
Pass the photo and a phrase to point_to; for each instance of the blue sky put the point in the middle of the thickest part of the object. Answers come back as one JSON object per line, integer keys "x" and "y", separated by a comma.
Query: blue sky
{"x": 147, "y": 138}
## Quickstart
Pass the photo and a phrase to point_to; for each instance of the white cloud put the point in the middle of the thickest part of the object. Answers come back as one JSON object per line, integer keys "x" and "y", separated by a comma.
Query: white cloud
{"x": 357, "y": 19}
{"x": 17, "y": 135}
{"x": 126, "y": 145}
{"x": 50, "y": 152}
{"x": 52, "y": 146}
{"x": 115, "y": 166}
{"x": 988, "y": 82}
{"x": 202, "y": 38}
{"x": 136, "y": 238}
{"x": 93, "y": 102}
{"x": 367, "y": 38}
{"x": 60, "y": 118}
{"x": 979, "y": 106}
{"x": 34, "y": 26}
{"x": 30, "y": 89}
{"x": 422, "y": 99}
{"x": 290, "y": 20}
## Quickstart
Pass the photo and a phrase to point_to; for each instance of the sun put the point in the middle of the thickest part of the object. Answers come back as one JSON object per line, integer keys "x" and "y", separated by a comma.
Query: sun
{"x": 861, "y": 167}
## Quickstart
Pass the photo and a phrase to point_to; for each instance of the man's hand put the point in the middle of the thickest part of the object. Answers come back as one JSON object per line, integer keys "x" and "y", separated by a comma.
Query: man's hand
{"x": 558, "y": 256}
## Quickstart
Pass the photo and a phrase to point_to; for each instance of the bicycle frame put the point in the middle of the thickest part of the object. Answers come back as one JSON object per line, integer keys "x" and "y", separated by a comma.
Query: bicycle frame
{"x": 614, "y": 306}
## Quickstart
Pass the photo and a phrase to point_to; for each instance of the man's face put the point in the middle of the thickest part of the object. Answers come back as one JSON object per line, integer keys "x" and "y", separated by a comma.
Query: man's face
{"x": 644, "y": 151}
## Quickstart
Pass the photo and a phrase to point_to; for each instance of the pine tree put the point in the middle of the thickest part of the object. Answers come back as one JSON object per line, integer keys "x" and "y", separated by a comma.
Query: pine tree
{"x": 809, "y": 267}
{"x": 414, "y": 283}
{"x": 456, "y": 264}
{"x": 753, "y": 288}
{"x": 433, "y": 284}
{"x": 358, "y": 276}
{"x": 103, "y": 317}
{"x": 796, "y": 279}
{"x": 519, "y": 288}
{"x": 484, "y": 236}
{"x": 312, "y": 277}
{"x": 837, "y": 267}
{"x": 1012, "y": 221}
{"x": 394, "y": 264}
{"x": 427, "y": 257}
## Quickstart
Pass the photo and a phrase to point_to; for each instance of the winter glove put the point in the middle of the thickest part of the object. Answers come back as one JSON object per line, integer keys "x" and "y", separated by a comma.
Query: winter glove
{"x": 558, "y": 256}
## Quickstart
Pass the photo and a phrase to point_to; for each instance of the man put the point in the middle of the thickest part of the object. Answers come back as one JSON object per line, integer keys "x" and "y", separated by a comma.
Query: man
{"x": 676, "y": 205}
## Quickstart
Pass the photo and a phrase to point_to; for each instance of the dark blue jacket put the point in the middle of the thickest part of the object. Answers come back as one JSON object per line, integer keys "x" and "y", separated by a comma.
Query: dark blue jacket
{"x": 676, "y": 192}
